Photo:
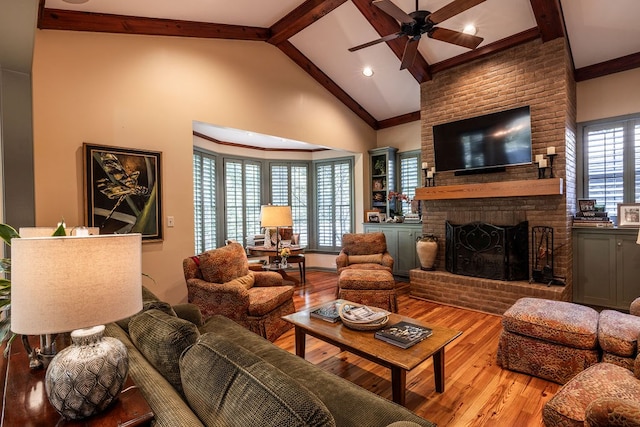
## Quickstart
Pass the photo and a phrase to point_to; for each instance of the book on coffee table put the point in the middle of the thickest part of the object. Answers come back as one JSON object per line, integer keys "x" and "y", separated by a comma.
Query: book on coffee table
{"x": 328, "y": 312}
{"x": 403, "y": 334}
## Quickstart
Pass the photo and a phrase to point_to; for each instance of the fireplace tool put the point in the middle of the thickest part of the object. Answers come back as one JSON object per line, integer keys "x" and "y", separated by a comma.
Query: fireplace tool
{"x": 542, "y": 256}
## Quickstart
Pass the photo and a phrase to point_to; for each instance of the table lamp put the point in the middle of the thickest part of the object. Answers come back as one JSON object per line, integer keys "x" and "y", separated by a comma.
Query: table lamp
{"x": 275, "y": 216}
{"x": 62, "y": 284}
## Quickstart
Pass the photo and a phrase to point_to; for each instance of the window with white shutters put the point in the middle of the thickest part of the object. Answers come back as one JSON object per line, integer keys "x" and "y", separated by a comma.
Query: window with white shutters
{"x": 204, "y": 201}
{"x": 229, "y": 191}
{"x": 610, "y": 162}
{"x": 334, "y": 202}
{"x": 409, "y": 172}
{"x": 242, "y": 183}
{"x": 290, "y": 187}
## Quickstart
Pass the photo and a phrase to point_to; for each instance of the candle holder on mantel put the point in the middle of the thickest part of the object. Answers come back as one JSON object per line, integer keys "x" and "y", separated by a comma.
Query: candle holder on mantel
{"x": 551, "y": 156}
{"x": 425, "y": 171}
{"x": 542, "y": 168}
{"x": 542, "y": 172}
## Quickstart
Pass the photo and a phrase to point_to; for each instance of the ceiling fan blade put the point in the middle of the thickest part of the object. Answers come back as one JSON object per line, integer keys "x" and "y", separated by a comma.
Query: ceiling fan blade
{"x": 455, "y": 37}
{"x": 392, "y": 10}
{"x": 452, "y": 9}
{"x": 410, "y": 51}
{"x": 374, "y": 42}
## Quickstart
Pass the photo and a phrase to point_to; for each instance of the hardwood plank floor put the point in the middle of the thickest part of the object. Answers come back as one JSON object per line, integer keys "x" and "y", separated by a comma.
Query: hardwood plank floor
{"x": 477, "y": 393}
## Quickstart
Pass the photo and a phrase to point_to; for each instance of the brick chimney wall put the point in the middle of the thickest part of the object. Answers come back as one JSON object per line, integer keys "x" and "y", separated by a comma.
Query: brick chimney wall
{"x": 536, "y": 74}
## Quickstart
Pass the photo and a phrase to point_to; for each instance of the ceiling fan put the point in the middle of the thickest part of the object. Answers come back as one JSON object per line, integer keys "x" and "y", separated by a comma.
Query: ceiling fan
{"x": 419, "y": 22}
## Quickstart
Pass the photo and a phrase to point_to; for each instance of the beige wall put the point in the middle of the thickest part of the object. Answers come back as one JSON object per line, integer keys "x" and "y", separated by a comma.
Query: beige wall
{"x": 144, "y": 92}
{"x": 404, "y": 137}
{"x": 609, "y": 96}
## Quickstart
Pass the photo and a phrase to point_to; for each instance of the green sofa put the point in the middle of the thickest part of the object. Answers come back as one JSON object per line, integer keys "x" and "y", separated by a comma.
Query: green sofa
{"x": 221, "y": 374}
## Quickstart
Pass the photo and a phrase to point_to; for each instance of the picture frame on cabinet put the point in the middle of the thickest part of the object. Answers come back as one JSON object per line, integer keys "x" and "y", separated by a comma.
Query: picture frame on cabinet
{"x": 629, "y": 215}
{"x": 371, "y": 216}
{"x": 586, "y": 205}
{"x": 123, "y": 190}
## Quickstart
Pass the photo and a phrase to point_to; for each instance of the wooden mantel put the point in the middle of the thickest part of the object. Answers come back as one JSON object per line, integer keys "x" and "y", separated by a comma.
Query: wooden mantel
{"x": 529, "y": 187}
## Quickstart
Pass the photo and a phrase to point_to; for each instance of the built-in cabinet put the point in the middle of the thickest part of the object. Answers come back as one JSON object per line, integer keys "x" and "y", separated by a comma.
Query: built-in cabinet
{"x": 606, "y": 267}
{"x": 401, "y": 244}
{"x": 382, "y": 167}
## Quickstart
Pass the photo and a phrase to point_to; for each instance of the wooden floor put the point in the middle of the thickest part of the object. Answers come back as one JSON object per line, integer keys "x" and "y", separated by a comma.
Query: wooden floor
{"x": 477, "y": 393}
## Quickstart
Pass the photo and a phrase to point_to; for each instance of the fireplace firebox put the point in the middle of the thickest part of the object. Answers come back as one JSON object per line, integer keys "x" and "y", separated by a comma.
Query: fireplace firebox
{"x": 489, "y": 251}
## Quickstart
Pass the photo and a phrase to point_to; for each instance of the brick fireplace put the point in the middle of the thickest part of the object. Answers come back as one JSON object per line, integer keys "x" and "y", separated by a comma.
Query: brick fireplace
{"x": 536, "y": 74}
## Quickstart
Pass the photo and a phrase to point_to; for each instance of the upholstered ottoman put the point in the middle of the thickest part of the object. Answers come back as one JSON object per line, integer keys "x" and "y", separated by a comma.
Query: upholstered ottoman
{"x": 618, "y": 337}
{"x": 548, "y": 339}
{"x": 369, "y": 287}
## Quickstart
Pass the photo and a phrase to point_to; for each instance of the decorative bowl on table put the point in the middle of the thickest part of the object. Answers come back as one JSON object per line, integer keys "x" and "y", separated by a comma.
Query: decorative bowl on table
{"x": 361, "y": 317}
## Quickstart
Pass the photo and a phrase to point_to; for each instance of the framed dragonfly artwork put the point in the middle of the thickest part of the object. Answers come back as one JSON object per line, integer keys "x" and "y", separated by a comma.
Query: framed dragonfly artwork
{"x": 123, "y": 190}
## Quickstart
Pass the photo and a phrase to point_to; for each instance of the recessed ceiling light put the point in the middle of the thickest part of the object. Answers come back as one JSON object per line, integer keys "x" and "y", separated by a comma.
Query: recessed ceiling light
{"x": 367, "y": 71}
{"x": 470, "y": 29}
{"x": 75, "y": 1}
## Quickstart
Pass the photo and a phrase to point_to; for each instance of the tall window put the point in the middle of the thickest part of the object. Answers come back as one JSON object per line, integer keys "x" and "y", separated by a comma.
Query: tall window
{"x": 610, "y": 161}
{"x": 228, "y": 193}
{"x": 204, "y": 201}
{"x": 334, "y": 202}
{"x": 409, "y": 173}
{"x": 290, "y": 186}
{"x": 242, "y": 185}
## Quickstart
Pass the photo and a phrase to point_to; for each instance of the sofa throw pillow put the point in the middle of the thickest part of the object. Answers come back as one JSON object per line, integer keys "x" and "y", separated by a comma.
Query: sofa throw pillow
{"x": 244, "y": 281}
{"x": 224, "y": 264}
{"x": 162, "y": 338}
{"x": 149, "y": 302}
{"x": 365, "y": 259}
{"x": 227, "y": 385}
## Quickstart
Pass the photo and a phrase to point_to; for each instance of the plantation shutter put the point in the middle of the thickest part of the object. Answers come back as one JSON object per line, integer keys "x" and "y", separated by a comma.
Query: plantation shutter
{"x": 242, "y": 199}
{"x": 204, "y": 203}
{"x": 409, "y": 177}
{"x": 334, "y": 202}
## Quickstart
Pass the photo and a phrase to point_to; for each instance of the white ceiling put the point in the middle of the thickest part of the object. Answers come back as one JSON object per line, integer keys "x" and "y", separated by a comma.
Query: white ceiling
{"x": 597, "y": 30}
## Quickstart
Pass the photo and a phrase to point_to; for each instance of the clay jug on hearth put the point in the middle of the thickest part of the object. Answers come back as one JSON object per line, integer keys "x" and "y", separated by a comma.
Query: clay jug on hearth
{"x": 427, "y": 248}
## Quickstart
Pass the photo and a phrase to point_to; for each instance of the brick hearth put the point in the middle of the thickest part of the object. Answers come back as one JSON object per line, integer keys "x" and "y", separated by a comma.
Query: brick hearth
{"x": 491, "y": 296}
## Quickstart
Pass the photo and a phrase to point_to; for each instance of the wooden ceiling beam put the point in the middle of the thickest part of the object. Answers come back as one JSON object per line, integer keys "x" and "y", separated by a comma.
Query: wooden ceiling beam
{"x": 300, "y": 18}
{"x": 303, "y": 62}
{"x": 548, "y": 15}
{"x": 385, "y": 25}
{"x": 605, "y": 68}
{"x": 57, "y": 19}
{"x": 399, "y": 120}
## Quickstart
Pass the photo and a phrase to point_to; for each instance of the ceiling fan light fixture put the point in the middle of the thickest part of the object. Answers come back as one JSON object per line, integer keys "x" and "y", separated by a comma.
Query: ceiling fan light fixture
{"x": 367, "y": 71}
{"x": 470, "y": 29}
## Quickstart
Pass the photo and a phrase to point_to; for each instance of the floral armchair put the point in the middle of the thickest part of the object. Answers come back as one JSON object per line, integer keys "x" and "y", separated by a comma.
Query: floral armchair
{"x": 219, "y": 282}
{"x": 364, "y": 251}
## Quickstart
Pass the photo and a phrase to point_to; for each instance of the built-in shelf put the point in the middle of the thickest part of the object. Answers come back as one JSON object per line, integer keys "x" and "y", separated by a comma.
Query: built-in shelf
{"x": 529, "y": 187}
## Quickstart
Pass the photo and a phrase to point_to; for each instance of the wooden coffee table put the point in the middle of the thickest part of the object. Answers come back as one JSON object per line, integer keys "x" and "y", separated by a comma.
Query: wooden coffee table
{"x": 363, "y": 344}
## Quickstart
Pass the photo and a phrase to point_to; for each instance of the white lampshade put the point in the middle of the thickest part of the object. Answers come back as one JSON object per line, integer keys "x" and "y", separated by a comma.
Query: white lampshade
{"x": 64, "y": 283}
{"x": 638, "y": 241}
{"x": 276, "y": 216}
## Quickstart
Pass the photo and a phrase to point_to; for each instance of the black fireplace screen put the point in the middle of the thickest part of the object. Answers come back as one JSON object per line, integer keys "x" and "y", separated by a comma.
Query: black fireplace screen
{"x": 484, "y": 250}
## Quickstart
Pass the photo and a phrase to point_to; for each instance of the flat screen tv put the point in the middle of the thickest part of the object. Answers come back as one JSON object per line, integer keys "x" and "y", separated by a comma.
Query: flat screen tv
{"x": 485, "y": 143}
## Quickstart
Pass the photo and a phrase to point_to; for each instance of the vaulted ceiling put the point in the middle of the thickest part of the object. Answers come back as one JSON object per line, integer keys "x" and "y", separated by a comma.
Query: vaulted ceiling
{"x": 604, "y": 37}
